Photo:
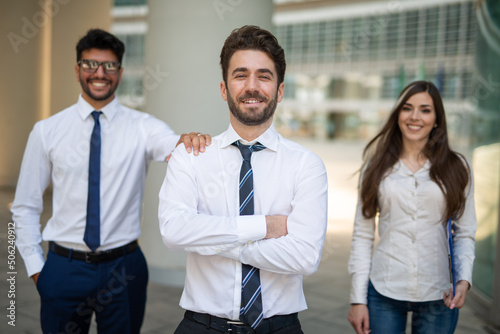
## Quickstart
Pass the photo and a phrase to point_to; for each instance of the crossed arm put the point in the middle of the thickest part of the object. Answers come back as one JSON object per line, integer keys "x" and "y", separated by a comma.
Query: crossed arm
{"x": 289, "y": 241}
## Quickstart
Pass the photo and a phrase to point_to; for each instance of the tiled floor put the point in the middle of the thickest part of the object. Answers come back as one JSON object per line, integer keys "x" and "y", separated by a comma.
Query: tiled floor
{"x": 327, "y": 291}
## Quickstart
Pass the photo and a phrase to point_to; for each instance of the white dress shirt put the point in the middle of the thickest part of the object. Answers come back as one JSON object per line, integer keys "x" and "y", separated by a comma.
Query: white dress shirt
{"x": 198, "y": 213}
{"x": 410, "y": 261}
{"x": 58, "y": 152}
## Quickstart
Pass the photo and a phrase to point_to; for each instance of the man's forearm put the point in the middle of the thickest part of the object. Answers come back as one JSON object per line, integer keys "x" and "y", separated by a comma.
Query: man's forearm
{"x": 276, "y": 226}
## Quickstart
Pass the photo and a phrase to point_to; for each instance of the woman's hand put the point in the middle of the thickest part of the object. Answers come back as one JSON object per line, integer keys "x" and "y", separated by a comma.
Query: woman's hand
{"x": 358, "y": 317}
{"x": 458, "y": 301}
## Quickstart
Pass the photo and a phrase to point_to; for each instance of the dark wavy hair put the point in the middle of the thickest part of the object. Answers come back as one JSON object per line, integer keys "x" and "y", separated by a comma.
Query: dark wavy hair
{"x": 253, "y": 38}
{"x": 102, "y": 40}
{"x": 449, "y": 169}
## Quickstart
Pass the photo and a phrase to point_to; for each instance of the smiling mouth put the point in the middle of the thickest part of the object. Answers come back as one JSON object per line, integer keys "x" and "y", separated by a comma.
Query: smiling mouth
{"x": 414, "y": 127}
{"x": 251, "y": 101}
{"x": 98, "y": 84}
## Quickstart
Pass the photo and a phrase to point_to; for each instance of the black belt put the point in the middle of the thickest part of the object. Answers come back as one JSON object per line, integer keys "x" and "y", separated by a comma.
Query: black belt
{"x": 94, "y": 257}
{"x": 268, "y": 325}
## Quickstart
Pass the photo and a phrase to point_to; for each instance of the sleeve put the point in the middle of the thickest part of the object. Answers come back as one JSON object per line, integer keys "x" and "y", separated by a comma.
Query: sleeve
{"x": 34, "y": 178}
{"x": 160, "y": 139}
{"x": 299, "y": 252}
{"x": 464, "y": 236}
{"x": 182, "y": 227}
{"x": 361, "y": 253}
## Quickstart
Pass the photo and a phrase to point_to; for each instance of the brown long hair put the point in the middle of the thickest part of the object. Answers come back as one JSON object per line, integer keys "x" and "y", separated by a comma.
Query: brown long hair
{"x": 448, "y": 168}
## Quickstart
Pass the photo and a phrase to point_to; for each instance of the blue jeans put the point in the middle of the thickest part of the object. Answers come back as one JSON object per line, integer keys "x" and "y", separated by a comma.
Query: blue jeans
{"x": 388, "y": 316}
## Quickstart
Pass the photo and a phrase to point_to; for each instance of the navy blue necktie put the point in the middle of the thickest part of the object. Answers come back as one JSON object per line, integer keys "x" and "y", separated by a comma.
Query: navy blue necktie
{"x": 92, "y": 236}
{"x": 251, "y": 298}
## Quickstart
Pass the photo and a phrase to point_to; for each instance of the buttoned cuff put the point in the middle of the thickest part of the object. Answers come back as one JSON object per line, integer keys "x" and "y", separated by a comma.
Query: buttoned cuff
{"x": 251, "y": 228}
{"x": 463, "y": 277}
{"x": 359, "y": 290}
{"x": 34, "y": 264}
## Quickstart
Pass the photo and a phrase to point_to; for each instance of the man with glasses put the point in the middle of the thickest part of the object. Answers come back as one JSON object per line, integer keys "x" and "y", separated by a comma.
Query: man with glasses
{"x": 96, "y": 154}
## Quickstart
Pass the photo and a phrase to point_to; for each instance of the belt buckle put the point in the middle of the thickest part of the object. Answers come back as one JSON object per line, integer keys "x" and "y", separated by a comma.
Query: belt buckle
{"x": 235, "y": 323}
{"x": 88, "y": 255}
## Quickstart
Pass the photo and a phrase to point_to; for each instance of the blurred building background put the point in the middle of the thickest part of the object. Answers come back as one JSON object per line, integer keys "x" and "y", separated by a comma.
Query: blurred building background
{"x": 347, "y": 61}
{"x": 130, "y": 25}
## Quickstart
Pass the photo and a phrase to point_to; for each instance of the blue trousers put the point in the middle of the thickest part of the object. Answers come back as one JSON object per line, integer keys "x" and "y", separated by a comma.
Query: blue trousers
{"x": 72, "y": 290}
{"x": 388, "y": 316}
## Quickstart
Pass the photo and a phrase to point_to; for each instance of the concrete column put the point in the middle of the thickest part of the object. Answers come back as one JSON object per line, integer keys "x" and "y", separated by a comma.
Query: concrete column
{"x": 183, "y": 45}
{"x": 19, "y": 92}
{"x": 38, "y": 78}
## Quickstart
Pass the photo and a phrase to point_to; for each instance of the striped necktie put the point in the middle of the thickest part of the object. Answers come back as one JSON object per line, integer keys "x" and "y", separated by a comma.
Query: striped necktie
{"x": 251, "y": 299}
{"x": 92, "y": 236}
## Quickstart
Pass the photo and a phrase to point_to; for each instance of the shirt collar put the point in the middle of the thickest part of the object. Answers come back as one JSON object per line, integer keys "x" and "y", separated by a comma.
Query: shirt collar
{"x": 401, "y": 168}
{"x": 85, "y": 109}
{"x": 269, "y": 138}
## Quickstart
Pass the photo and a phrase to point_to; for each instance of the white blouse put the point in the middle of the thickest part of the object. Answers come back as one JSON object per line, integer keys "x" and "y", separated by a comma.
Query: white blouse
{"x": 410, "y": 259}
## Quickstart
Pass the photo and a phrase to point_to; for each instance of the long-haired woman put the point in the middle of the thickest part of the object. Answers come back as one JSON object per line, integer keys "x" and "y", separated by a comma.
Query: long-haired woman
{"x": 412, "y": 182}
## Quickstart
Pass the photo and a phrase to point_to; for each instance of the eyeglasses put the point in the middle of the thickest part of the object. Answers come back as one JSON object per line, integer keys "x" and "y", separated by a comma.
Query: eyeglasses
{"x": 91, "y": 66}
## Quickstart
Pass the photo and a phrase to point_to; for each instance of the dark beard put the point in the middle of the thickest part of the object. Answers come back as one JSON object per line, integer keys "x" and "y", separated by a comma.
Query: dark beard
{"x": 252, "y": 118}
{"x": 88, "y": 91}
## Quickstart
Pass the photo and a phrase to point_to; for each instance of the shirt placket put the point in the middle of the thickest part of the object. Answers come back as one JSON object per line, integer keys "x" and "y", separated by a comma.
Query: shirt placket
{"x": 413, "y": 245}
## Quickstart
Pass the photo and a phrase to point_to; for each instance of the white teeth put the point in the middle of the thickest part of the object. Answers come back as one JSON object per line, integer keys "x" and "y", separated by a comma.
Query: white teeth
{"x": 414, "y": 127}
{"x": 251, "y": 101}
{"x": 99, "y": 84}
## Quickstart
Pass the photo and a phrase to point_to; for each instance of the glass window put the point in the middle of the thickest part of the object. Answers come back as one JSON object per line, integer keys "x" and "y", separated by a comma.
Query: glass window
{"x": 322, "y": 42}
{"x": 373, "y": 31}
{"x": 305, "y": 40}
{"x": 313, "y": 38}
{"x": 134, "y": 49}
{"x": 465, "y": 85}
{"x": 390, "y": 87}
{"x": 486, "y": 158}
{"x": 392, "y": 34}
{"x": 296, "y": 43}
{"x": 336, "y": 88}
{"x": 470, "y": 37}
{"x": 130, "y": 2}
{"x": 450, "y": 85}
{"x": 329, "y": 41}
{"x": 289, "y": 39}
{"x": 337, "y": 40}
{"x": 280, "y": 35}
{"x": 355, "y": 38}
{"x": 411, "y": 33}
{"x": 452, "y": 29}
{"x": 131, "y": 90}
{"x": 289, "y": 90}
{"x": 431, "y": 30}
